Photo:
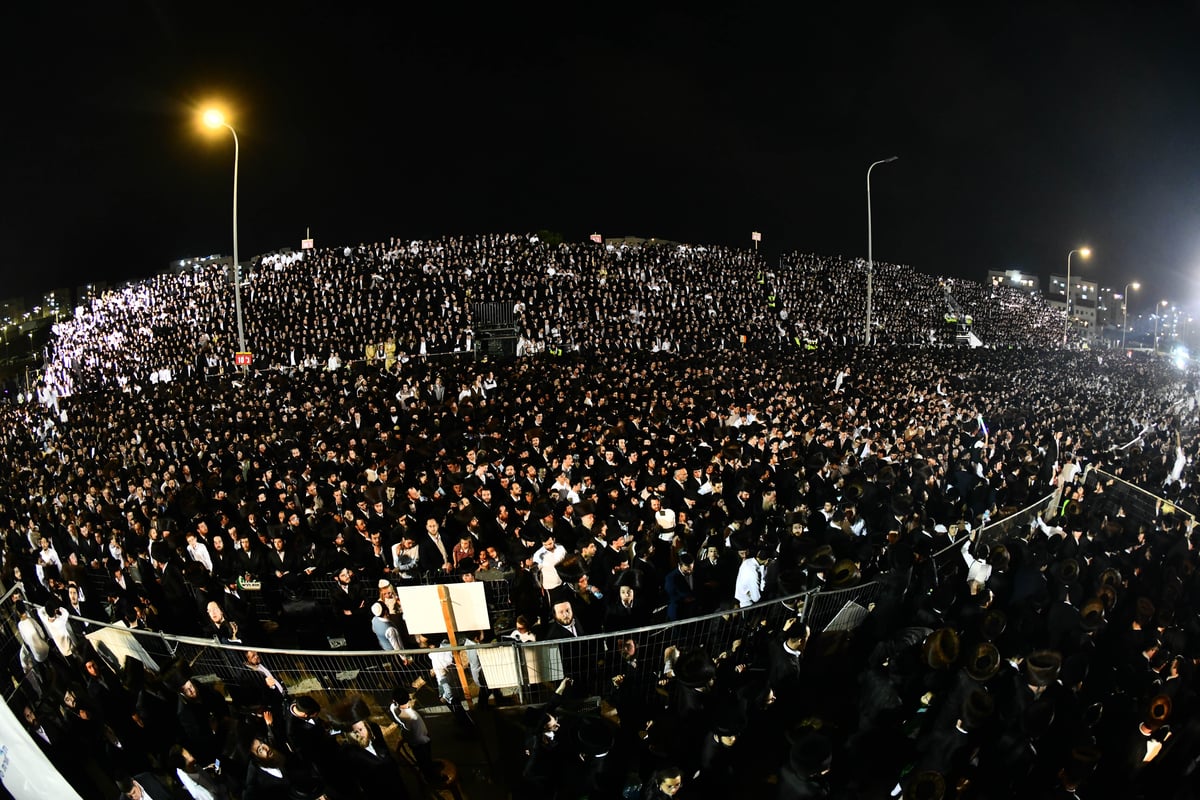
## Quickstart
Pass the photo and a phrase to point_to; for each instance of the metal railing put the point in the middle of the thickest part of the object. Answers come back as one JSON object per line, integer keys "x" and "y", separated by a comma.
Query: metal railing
{"x": 532, "y": 669}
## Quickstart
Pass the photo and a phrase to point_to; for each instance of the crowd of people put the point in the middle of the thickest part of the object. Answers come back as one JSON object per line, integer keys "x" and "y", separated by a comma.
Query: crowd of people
{"x": 658, "y": 467}
{"x": 393, "y": 301}
{"x": 130, "y": 731}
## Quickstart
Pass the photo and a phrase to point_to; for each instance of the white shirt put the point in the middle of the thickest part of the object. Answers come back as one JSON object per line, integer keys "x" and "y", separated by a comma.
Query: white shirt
{"x": 34, "y": 639}
{"x": 977, "y": 570}
{"x": 61, "y": 634}
{"x": 750, "y": 580}
{"x": 546, "y": 560}
{"x": 193, "y": 788}
{"x": 199, "y": 553}
{"x": 441, "y": 660}
{"x": 415, "y": 730}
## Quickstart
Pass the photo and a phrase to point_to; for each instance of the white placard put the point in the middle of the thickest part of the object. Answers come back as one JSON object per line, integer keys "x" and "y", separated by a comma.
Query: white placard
{"x": 849, "y": 618}
{"x": 122, "y": 645}
{"x": 500, "y": 665}
{"x": 24, "y": 768}
{"x": 423, "y": 608}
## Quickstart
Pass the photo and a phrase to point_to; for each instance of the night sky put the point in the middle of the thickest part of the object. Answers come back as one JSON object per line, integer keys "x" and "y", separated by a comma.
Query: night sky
{"x": 1022, "y": 131}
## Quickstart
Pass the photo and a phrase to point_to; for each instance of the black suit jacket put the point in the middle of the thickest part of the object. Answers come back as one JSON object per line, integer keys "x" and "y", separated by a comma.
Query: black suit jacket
{"x": 431, "y": 557}
{"x": 375, "y": 775}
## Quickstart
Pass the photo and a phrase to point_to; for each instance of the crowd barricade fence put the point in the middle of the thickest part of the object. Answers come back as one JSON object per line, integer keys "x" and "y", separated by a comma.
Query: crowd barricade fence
{"x": 531, "y": 671}
{"x": 1137, "y": 503}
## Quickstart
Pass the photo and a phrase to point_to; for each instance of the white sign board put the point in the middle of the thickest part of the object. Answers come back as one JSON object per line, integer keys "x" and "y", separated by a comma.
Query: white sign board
{"x": 122, "y": 645}
{"x": 543, "y": 664}
{"x": 24, "y": 770}
{"x": 423, "y": 608}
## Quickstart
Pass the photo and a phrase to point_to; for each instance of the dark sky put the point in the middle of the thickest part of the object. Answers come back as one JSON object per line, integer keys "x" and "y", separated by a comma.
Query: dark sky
{"x": 1022, "y": 131}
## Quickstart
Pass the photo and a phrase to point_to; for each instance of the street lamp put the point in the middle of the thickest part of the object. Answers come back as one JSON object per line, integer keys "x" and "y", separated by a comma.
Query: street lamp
{"x": 1125, "y": 310}
{"x": 870, "y": 247}
{"x": 1157, "y": 317}
{"x": 214, "y": 119}
{"x": 1084, "y": 252}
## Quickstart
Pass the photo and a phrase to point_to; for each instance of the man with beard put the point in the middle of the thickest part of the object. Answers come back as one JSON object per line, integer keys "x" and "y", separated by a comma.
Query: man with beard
{"x": 202, "y": 714}
{"x": 350, "y": 610}
{"x": 366, "y": 757}
{"x": 270, "y": 775}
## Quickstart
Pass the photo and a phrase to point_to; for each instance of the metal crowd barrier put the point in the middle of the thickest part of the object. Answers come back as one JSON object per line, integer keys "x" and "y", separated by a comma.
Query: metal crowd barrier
{"x": 530, "y": 670}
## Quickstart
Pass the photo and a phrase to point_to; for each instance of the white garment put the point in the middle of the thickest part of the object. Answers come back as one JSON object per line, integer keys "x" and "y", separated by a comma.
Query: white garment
{"x": 977, "y": 570}
{"x": 199, "y": 553}
{"x": 35, "y": 639}
{"x": 60, "y": 630}
{"x": 193, "y": 788}
{"x": 750, "y": 580}
{"x": 546, "y": 560}
{"x": 415, "y": 730}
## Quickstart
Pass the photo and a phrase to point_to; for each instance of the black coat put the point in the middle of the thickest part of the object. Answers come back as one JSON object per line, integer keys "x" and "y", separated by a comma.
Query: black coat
{"x": 374, "y": 775}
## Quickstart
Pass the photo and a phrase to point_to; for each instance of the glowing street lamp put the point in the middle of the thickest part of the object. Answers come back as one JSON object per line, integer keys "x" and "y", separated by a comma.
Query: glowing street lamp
{"x": 214, "y": 118}
{"x": 1084, "y": 252}
{"x": 1125, "y": 310}
{"x": 870, "y": 246}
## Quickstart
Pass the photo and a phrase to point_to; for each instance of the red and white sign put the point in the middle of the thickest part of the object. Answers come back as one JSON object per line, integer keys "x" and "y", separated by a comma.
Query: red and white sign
{"x": 242, "y": 359}
{"x": 755, "y": 236}
{"x": 597, "y": 238}
{"x": 306, "y": 244}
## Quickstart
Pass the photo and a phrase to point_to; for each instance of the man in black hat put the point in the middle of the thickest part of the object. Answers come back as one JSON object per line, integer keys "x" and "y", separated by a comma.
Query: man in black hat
{"x": 203, "y": 715}
{"x": 590, "y": 771}
{"x": 564, "y": 625}
{"x": 308, "y": 736}
{"x": 366, "y": 756}
{"x": 803, "y": 777}
{"x": 350, "y": 609}
{"x": 718, "y": 759}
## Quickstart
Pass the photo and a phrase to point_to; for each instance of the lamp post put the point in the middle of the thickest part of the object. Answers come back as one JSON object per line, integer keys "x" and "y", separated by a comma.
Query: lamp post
{"x": 215, "y": 119}
{"x": 870, "y": 247}
{"x": 1084, "y": 252}
{"x": 1125, "y": 310}
{"x": 1157, "y": 317}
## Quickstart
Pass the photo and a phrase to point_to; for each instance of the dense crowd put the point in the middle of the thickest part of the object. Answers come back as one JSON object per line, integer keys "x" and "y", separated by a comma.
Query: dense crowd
{"x": 656, "y": 468}
{"x": 392, "y": 301}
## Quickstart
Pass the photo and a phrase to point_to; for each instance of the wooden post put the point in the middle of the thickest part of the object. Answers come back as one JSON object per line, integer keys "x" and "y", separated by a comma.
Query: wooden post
{"x": 448, "y": 616}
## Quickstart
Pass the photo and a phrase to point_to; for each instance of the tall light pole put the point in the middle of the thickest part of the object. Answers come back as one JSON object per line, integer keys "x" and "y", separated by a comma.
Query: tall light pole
{"x": 1084, "y": 252}
{"x": 1157, "y": 317}
{"x": 214, "y": 119}
{"x": 1125, "y": 310}
{"x": 871, "y": 246}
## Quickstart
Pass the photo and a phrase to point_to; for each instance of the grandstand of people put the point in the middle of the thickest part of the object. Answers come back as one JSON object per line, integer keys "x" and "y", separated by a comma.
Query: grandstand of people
{"x": 687, "y": 442}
